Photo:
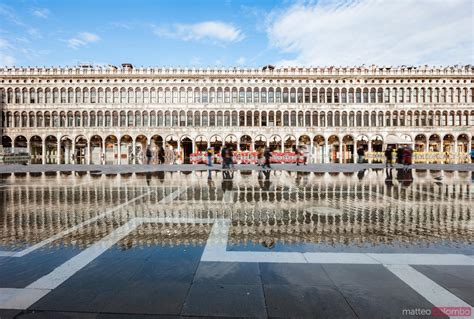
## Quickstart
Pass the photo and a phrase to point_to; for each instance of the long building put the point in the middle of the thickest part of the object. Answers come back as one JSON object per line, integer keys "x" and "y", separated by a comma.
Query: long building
{"x": 110, "y": 115}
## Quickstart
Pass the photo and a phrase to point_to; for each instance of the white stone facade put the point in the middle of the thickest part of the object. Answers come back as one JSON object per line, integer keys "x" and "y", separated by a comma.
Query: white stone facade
{"x": 97, "y": 115}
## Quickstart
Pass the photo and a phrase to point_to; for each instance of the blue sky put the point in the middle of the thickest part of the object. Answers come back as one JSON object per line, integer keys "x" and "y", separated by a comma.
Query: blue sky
{"x": 236, "y": 33}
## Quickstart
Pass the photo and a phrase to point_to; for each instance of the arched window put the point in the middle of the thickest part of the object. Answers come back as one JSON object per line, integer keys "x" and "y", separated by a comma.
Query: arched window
{"x": 197, "y": 118}
{"x": 108, "y": 119}
{"x": 189, "y": 119}
{"x": 227, "y": 118}
{"x": 174, "y": 118}
{"x": 182, "y": 118}
{"x": 286, "y": 118}
{"x": 159, "y": 118}
{"x": 212, "y": 118}
{"x": 249, "y": 118}
{"x": 100, "y": 119}
{"x": 153, "y": 119}
{"x": 115, "y": 119}
{"x": 92, "y": 122}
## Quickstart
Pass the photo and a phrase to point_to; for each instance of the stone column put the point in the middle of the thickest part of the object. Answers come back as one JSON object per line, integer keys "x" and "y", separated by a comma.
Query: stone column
{"x": 119, "y": 151}
{"x": 369, "y": 150}
{"x": 58, "y": 152}
{"x": 43, "y": 151}
{"x": 134, "y": 146}
{"x": 102, "y": 156}
{"x": 73, "y": 150}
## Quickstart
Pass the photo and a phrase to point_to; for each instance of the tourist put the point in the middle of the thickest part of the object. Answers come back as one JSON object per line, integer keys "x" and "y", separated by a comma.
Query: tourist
{"x": 260, "y": 156}
{"x": 305, "y": 154}
{"x": 210, "y": 153}
{"x": 148, "y": 155}
{"x": 231, "y": 157}
{"x": 360, "y": 154}
{"x": 298, "y": 154}
{"x": 267, "y": 154}
{"x": 161, "y": 155}
{"x": 223, "y": 156}
{"x": 407, "y": 154}
{"x": 399, "y": 155}
{"x": 388, "y": 157}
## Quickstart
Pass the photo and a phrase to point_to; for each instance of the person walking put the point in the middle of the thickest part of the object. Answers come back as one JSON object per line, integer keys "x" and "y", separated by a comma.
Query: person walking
{"x": 400, "y": 155}
{"x": 267, "y": 154}
{"x": 223, "y": 156}
{"x": 231, "y": 157}
{"x": 298, "y": 155}
{"x": 388, "y": 157}
{"x": 305, "y": 154}
{"x": 161, "y": 155}
{"x": 407, "y": 153}
{"x": 148, "y": 155}
{"x": 360, "y": 154}
{"x": 210, "y": 153}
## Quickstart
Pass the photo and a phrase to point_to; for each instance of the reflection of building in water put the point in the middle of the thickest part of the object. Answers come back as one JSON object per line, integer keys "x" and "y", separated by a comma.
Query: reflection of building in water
{"x": 322, "y": 210}
{"x": 96, "y": 115}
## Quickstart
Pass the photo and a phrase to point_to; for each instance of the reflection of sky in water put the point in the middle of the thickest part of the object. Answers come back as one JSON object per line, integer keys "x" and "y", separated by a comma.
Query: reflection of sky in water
{"x": 366, "y": 211}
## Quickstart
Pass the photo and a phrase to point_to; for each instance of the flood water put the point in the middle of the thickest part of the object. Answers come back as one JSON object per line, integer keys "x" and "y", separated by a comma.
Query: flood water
{"x": 366, "y": 211}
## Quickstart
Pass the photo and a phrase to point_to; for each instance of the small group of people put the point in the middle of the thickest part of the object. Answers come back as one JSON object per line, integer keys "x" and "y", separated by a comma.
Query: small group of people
{"x": 403, "y": 156}
{"x": 162, "y": 155}
{"x": 227, "y": 155}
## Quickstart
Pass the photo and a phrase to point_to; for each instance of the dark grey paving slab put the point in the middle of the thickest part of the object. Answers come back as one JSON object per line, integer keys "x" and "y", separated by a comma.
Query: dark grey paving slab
{"x": 294, "y": 274}
{"x": 296, "y": 301}
{"x": 225, "y": 300}
{"x": 56, "y": 315}
{"x": 91, "y": 288}
{"x": 19, "y": 272}
{"x": 459, "y": 280}
{"x": 228, "y": 273}
{"x": 9, "y": 313}
{"x": 148, "y": 297}
{"x": 373, "y": 291}
{"x": 133, "y": 316}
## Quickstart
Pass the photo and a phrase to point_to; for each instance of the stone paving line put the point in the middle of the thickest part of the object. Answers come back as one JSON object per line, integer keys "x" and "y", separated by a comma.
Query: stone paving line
{"x": 118, "y": 169}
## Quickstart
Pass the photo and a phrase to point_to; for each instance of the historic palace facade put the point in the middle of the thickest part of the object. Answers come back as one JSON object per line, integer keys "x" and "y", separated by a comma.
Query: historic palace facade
{"x": 110, "y": 115}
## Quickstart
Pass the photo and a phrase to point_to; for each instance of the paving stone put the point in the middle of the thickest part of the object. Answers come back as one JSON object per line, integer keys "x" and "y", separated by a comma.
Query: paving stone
{"x": 9, "y": 313}
{"x": 148, "y": 297}
{"x": 56, "y": 315}
{"x": 459, "y": 280}
{"x": 225, "y": 300}
{"x": 296, "y": 301}
{"x": 228, "y": 273}
{"x": 294, "y": 274}
{"x": 374, "y": 292}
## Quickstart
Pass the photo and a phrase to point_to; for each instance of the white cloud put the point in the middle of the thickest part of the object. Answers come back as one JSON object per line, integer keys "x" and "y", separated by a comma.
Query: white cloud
{"x": 7, "y": 60}
{"x": 241, "y": 61}
{"x": 82, "y": 39}
{"x": 384, "y": 32}
{"x": 208, "y": 30}
{"x": 41, "y": 13}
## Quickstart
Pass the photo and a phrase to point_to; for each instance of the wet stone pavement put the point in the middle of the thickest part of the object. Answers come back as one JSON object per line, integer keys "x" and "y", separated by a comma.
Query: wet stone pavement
{"x": 365, "y": 244}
